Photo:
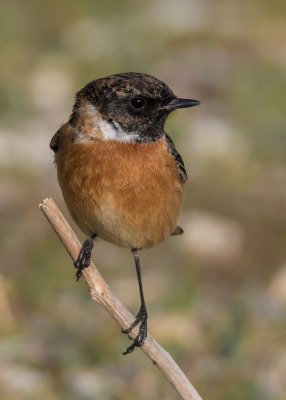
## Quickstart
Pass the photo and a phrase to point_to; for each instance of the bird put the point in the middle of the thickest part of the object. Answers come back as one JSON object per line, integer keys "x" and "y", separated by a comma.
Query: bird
{"x": 119, "y": 171}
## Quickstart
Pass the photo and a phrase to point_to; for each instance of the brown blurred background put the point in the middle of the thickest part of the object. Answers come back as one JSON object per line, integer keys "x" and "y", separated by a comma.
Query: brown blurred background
{"x": 217, "y": 295}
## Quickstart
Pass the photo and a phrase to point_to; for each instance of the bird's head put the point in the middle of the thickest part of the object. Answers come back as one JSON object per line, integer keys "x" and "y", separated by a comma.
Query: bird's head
{"x": 129, "y": 106}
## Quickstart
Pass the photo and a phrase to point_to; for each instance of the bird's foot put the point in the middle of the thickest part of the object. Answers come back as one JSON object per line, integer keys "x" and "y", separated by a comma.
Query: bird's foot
{"x": 141, "y": 318}
{"x": 83, "y": 259}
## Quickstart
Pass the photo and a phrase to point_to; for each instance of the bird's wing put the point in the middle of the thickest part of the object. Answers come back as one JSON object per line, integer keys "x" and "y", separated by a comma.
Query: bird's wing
{"x": 178, "y": 159}
{"x": 65, "y": 131}
{"x": 54, "y": 143}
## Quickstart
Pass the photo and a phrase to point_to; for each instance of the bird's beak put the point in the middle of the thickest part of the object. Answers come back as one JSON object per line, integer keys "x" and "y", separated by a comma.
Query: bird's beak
{"x": 181, "y": 103}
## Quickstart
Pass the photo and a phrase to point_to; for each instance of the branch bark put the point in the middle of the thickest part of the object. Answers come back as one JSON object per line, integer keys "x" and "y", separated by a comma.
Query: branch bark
{"x": 100, "y": 291}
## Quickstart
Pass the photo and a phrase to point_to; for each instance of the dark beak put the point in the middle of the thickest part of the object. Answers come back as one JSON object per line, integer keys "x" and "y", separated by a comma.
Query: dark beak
{"x": 181, "y": 103}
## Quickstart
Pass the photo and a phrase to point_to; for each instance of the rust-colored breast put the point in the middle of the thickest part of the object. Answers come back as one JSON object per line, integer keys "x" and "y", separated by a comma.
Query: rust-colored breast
{"x": 128, "y": 193}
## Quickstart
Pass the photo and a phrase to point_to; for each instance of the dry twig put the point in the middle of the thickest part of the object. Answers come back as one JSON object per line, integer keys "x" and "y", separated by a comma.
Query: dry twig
{"x": 101, "y": 292}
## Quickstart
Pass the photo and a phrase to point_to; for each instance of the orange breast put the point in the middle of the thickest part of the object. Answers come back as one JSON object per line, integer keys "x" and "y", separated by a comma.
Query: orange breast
{"x": 128, "y": 193}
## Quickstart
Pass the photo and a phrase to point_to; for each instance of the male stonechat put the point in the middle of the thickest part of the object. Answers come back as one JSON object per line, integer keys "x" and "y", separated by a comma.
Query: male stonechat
{"x": 120, "y": 173}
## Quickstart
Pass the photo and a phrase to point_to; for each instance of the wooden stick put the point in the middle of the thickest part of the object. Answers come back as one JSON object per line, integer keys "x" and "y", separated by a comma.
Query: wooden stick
{"x": 100, "y": 291}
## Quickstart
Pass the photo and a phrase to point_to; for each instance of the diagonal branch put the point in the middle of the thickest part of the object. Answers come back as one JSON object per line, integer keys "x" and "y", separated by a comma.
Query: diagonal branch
{"x": 100, "y": 291}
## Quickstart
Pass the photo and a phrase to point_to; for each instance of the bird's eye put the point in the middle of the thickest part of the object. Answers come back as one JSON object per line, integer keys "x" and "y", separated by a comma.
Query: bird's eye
{"x": 138, "y": 103}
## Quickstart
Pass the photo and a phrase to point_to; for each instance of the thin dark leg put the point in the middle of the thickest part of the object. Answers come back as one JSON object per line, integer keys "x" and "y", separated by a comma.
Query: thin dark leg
{"x": 83, "y": 259}
{"x": 141, "y": 316}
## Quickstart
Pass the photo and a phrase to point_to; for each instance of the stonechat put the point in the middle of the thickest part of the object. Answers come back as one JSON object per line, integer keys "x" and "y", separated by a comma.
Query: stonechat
{"x": 120, "y": 173}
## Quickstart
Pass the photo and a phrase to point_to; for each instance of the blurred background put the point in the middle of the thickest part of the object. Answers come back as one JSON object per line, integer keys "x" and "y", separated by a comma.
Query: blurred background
{"x": 217, "y": 295}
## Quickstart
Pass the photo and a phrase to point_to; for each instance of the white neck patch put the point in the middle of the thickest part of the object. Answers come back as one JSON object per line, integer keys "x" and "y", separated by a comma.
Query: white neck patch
{"x": 113, "y": 131}
{"x": 93, "y": 126}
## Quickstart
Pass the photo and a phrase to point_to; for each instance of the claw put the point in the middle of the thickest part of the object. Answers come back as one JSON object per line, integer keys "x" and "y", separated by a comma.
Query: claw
{"x": 141, "y": 317}
{"x": 84, "y": 258}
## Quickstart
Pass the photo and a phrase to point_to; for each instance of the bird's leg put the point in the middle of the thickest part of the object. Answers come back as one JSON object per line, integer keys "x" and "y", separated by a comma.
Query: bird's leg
{"x": 141, "y": 316}
{"x": 83, "y": 259}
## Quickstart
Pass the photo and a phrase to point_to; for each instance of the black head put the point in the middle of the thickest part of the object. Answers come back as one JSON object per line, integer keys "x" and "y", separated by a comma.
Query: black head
{"x": 136, "y": 103}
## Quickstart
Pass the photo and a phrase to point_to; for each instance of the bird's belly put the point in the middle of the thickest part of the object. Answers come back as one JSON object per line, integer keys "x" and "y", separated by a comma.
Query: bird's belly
{"x": 128, "y": 223}
{"x": 124, "y": 195}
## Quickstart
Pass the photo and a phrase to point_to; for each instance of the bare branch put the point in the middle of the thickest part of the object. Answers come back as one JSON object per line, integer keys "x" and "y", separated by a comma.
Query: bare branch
{"x": 101, "y": 292}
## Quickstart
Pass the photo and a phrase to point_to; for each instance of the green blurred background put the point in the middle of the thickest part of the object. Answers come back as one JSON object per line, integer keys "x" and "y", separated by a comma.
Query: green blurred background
{"x": 217, "y": 295}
